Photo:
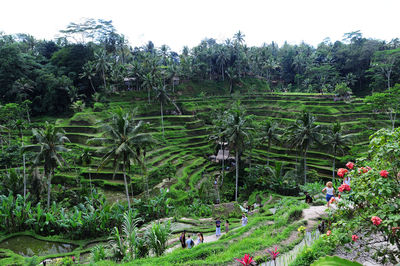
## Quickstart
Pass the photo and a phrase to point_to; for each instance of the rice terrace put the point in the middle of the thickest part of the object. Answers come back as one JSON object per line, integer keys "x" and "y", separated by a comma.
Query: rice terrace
{"x": 223, "y": 153}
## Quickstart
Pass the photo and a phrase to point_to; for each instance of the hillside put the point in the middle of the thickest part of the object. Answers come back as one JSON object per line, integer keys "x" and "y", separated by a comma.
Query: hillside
{"x": 187, "y": 143}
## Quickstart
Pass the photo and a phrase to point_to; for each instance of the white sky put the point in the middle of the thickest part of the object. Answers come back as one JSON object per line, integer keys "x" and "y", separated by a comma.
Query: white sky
{"x": 186, "y": 22}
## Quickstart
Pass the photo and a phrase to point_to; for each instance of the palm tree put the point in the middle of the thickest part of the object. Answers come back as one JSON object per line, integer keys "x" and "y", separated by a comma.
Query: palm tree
{"x": 124, "y": 140}
{"x": 222, "y": 59}
{"x": 237, "y": 131}
{"x": 239, "y": 37}
{"x": 278, "y": 175}
{"x": 102, "y": 64}
{"x": 232, "y": 76}
{"x": 337, "y": 142}
{"x": 51, "y": 142}
{"x": 269, "y": 130}
{"x": 89, "y": 73}
{"x": 163, "y": 97}
{"x": 302, "y": 134}
{"x": 148, "y": 83}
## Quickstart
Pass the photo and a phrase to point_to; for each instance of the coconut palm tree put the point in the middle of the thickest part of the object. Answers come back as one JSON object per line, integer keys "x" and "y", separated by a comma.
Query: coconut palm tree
{"x": 302, "y": 134}
{"x": 101, "y": 64}
{"x": 51, "y": 141}
{"x": 148, "y": 83}
{"x": 337, "y": 141}
{"x": 124, "y": 141}
{"x": 163, "y": 97}
{"x": 270, "y": 134}
{"x": 89, "y": 73}
{"x": 237, "y": 131}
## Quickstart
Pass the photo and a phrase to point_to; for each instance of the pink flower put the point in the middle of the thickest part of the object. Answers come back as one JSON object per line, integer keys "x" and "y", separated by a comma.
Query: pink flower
{"x": 369, "y": 168}
{"x": 246, "y": 260}
{"x": 376, "y": 220}
{"x": 344, "y": 187}
{"x": 350, "y": 165}
{"x": 329, "y": 233}
{"x": 384, "y": 173}
{"x": 341, "y": 172}
{"x": 273, "y": 254}
{"x": 354, "y": 238}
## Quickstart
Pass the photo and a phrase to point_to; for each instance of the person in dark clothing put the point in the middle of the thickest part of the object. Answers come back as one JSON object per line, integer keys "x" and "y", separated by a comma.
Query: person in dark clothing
{"x": 309, "y": 199}
{"x": 321, "y": 227}
{"x": 182, "y": 239}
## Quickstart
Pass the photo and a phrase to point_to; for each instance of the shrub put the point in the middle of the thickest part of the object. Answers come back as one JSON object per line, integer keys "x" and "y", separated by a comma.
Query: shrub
{"x": 98, "y": 107}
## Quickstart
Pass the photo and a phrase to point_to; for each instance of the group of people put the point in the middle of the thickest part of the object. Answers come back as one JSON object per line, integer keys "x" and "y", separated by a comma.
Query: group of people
{"x": 189, "y": 243}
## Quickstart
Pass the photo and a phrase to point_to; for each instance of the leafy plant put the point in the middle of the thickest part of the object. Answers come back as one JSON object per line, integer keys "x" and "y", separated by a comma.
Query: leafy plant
{"x": 157, "y": 236}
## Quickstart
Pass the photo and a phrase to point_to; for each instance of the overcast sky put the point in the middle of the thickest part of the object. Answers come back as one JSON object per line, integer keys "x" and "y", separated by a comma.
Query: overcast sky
{"x": 186, "y": 22}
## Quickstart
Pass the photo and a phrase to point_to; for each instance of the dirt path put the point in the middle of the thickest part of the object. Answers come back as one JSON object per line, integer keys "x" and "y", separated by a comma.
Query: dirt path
{"x": 312, "y": 214}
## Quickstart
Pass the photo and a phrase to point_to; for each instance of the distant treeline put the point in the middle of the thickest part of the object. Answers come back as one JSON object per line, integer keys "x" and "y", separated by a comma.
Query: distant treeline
{"x": 93, "y": 57}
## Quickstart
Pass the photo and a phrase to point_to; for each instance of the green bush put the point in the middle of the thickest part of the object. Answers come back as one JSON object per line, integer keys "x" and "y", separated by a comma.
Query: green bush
{"x": 98, "y": 107}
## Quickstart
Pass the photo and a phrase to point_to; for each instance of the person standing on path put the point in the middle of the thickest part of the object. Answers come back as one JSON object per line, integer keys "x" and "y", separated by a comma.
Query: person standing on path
{"x": 244, "y": 220}
{"x": 226, "y": 226}
{"x": 200, "y": 238}
{"x": 330, "y": 191}
{"x": 218, "y": 228}
{"x": 182, "y": 239}
{"x": 189, "y": 242}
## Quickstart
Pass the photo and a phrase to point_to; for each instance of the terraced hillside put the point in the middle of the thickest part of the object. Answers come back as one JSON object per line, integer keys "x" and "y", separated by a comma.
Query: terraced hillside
{"x": 187, "y": 144}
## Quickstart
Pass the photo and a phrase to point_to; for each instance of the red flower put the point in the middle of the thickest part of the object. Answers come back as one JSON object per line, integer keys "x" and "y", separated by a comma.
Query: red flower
{"x": 273, "y": 254}
{"x": 246, "y": 260}
{"x": 341, "y": 172}
{"x": 384, "y": 173}
{"x": 350, "y": 165}
{"x": 344, "y": 187}
{"x": 354, "y": 238}
{"x": 376, "y": 220}
{"x": 328, "y": 233}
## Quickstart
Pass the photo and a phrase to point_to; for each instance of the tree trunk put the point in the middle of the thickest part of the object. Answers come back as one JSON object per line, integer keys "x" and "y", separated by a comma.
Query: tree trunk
{"x": 104, "y": 78}
{"x": 237, "y": 173}
{"x": 223, "y": 76}
{"x": 148, "y": 94}
{"x": 126, "y": 186}
{"x": 91, "y": 84}
{"x": 305, "y": 165}
{"x": 223, "y": 162}
{"x": 24, "y": 165}
{"x": 269, "y": 147}
{"x": 333, "y": 169}
{"x": 162, "y": 120}
{"x": 48, "y": 189}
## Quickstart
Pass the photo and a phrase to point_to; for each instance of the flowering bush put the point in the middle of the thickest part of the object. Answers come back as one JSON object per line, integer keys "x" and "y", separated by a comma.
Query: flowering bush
{"x": 350, "y": 165}
{"x": 344, "y": 187}
{"x": 329, "y": 232}
{"x": 341, "y": 172}
{"x": 384, "y": 173}
{"x": 376, "y": 220}
{"x": 372, "y": 204}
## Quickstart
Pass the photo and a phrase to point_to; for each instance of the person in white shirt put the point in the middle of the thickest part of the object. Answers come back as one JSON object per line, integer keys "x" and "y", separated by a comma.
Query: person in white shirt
{"x": 330, "y": 191}
{"x": 244, "y": 220}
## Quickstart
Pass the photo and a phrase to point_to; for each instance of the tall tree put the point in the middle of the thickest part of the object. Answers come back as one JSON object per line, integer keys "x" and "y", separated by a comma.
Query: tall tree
{"x": 337, "y": 141}
{"x": 51, "y": 141}
{"x": 124, "y": 140}
{"x": 269, "y": 134}
{"x": 163, "y": 98}
{"x": 102, "y": 65}
{"x": 302, "y": 134}
{"x": 237, "y": 131}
